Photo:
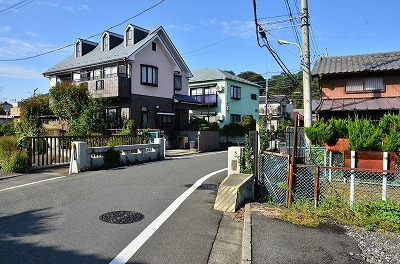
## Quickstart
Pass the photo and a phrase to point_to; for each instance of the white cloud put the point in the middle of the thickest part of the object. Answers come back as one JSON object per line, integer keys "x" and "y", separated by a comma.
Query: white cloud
{"x": 67, "y": 8}
{"x": 186, "y": 27}
{"x": 5, "y": 29}
{"x": 244, "y": 29}
{"x": 13, "y": 48}
{"x": 24, "y": 72}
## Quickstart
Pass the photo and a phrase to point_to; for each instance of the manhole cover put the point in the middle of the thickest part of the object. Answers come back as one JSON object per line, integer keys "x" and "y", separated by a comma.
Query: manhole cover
{"x": 204, "y": 186}
{"x": 121, "y": 217}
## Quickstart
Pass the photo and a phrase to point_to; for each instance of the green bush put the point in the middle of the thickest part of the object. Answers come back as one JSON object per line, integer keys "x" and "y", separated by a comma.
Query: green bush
{"x": 7, "y": 129}
{"x": 17, "y": 161}
{"x": 8, "y": 144}
{"x": 11, "y": 157}
{"x": 111, "y": 158}
{"x": 364, "y": 135}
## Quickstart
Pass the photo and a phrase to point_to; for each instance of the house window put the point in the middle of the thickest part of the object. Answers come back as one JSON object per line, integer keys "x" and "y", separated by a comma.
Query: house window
{"x": 206, "y": 95}
{"x": 105, "y": 42}
{"x": 149, "y": 75}
{"x": 253, "y": 96}
{"x": 368, "y": 84}
{"x": 100, "y": 85}
{"x": 177, "y": 82}
{"x": 166, "y": 119}
{"x": 85, "y": 75}
{"x": 154, "y": 46}
{"x": 129, "y": 36}
{"x": 235, "y": 118}
{"x": 235, "y": 92}
{"x": 78, "y": 49}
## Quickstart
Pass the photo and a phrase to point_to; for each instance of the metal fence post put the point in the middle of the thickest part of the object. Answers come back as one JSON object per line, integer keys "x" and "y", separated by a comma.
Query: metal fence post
{"x": 316, "y": 186}
{"x": 384, "y": 179}
{"x": 352, "y": 180}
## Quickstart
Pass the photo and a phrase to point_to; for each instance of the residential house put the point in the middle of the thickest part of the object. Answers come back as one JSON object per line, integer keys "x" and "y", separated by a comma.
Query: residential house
{"x": 6, "y": 106}
{"x": 225, "y": 97}
{"x": 367, "y": 85}
{"x": 275, "y": 108}
{"x": 140, "y": 72}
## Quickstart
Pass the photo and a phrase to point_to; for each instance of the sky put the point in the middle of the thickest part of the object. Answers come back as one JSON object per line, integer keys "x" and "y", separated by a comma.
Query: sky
{"x": 208, "y": 34}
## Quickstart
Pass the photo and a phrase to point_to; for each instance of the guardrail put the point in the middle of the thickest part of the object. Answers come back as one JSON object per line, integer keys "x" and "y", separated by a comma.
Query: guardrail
{"x": 87, "y": 158}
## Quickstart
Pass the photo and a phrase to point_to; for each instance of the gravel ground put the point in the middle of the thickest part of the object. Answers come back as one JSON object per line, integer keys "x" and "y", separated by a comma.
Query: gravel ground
{"x": 376, "y": 246}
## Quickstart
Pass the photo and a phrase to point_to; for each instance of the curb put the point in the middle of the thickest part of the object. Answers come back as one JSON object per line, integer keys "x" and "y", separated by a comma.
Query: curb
{"x": 246, "y": 238}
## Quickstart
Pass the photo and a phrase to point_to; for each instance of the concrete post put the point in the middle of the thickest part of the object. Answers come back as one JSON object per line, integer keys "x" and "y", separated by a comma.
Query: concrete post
{"x": 79, "y": 160}
{"x": 234, "y": 158}
{"x": 161, "y": 149}
{"x": 352, "y": 178}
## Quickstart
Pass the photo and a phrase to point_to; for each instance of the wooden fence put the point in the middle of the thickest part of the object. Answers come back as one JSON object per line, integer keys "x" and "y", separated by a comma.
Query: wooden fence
{"x": 48, "y": 151}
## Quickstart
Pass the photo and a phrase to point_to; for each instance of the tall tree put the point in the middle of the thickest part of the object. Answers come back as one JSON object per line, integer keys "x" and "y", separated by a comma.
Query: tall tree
{"x": 31, "y": 110}
{"x": 84, "y": 114}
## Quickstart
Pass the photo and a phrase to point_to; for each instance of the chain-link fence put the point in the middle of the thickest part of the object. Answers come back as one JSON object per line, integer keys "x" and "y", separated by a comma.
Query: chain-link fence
{"x": 362, "y": 184}
{"x": 315, "y": 183}
{"x": 273, "y": 176}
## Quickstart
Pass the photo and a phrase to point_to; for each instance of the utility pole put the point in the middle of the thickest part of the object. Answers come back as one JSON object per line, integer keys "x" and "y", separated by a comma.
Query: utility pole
{"x": 305, "y": 50}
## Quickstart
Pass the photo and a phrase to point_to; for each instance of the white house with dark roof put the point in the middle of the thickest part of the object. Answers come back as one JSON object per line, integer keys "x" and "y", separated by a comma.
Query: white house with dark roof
{"x": 140, "y": 72}
{"x": 225, "y": 98}
{"x": 367, "y": 85}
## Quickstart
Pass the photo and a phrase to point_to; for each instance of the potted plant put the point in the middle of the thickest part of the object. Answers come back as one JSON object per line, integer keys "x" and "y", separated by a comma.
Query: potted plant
{"x": 368, "y": 139}
{"x": 333, "y": 134}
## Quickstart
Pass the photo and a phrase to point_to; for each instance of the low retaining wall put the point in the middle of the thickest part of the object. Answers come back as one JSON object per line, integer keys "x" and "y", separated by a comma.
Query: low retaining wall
{"x": 84, "y": 158}
{"x": 234, "y": 191}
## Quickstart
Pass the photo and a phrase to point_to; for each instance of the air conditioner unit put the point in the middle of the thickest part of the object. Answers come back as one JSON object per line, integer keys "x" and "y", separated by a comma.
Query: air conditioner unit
{"x": 220, "y": 117}
{"x": 219, "y": 88}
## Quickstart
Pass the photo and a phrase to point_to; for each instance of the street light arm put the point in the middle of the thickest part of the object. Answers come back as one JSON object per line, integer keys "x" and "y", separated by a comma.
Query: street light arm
{"x": 284, "y": 42}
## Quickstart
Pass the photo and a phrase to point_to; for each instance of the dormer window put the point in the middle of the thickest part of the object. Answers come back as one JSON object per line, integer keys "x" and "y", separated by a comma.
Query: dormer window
{"x": 78, "y": 49}
{"x": 106, "y": 43}
{"x": 129, "y": 37}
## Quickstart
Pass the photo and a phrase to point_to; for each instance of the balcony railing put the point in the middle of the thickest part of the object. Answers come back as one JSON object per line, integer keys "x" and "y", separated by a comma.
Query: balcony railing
{"x": 110, "y": 85}
{"x": 207, "y": 99}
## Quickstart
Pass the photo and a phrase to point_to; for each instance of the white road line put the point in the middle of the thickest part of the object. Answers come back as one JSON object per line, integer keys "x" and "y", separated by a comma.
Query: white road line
{"x": 195, "y": 155}
{"x": 134, "y": 246}
{"x": 31, "y": 183}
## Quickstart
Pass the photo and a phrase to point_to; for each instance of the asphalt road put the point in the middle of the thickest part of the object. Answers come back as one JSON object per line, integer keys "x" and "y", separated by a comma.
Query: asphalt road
{"x": 57, "y": 219}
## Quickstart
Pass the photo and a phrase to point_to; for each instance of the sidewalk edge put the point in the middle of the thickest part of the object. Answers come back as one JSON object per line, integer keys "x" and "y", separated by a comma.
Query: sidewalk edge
{"x": 246, "y": 237}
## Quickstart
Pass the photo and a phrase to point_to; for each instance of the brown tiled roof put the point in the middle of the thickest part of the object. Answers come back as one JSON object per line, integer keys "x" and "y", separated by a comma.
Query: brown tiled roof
{"x": 359, "y": 104}
{"x": 386, "y": 61}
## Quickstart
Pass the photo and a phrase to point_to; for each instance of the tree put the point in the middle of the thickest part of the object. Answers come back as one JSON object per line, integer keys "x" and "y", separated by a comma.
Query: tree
{"x": 252, "y": 77}
{"x": 31, "y": 110}
{"x": 230, "y": 71}
{"x": 73, "y": 104}
{"x": 282, "y": 84}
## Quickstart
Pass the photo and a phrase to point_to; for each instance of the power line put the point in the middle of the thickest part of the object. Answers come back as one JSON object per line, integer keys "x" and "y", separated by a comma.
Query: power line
{"x": 260, "y": 30}
{"x": 296, "y": 33}
{"x": 15, "y": 7}
{"x": 69, "y": 45}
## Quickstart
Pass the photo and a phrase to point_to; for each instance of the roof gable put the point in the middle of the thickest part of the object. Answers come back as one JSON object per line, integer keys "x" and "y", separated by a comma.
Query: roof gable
{"x": 119, "y": 52}
{"x": 202, "y": 75}
{"x": 377, "y": 62}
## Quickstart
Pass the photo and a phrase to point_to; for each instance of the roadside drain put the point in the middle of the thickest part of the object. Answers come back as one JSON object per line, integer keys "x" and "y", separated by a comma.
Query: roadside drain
{"x": 121, "y": 217}
{"x": 205, "y": 186}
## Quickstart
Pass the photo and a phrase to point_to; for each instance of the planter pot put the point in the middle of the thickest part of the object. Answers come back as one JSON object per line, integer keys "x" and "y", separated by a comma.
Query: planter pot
{"x": 370, "y": 159}
{"x": 341, "y": 145}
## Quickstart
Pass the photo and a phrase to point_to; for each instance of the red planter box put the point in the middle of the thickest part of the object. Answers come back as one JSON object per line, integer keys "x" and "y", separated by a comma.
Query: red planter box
{"x": 370, "y": 159}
